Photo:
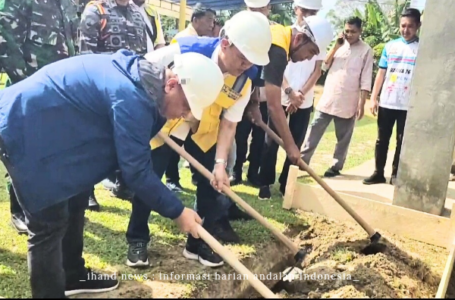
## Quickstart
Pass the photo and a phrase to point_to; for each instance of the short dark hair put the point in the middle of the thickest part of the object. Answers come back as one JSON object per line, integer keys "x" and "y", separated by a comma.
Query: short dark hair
{"x": 354, "y": 21}
{"x": 199, "y": 11}
{"x": 412, "y": 13}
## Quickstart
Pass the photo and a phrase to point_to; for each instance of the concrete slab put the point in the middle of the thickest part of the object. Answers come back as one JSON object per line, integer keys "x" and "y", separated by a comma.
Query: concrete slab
{"x": 350, "y": 182}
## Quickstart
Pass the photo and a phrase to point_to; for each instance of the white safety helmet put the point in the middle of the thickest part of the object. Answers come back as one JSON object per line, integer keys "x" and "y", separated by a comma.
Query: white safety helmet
{"x": 319, "y": 29}
{"x": 257, "y": 3}
{"x": 309, "y": 4}
{"x": 250, "y": 32}
{"x": 201, "y": 80}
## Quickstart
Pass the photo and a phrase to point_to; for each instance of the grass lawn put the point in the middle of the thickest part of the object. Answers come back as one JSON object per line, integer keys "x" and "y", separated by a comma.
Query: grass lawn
{"x": 105, "y": 243}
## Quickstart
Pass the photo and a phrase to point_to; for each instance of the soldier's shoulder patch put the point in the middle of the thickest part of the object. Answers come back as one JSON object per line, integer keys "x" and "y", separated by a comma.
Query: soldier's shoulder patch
{"x": 2, "y": 4}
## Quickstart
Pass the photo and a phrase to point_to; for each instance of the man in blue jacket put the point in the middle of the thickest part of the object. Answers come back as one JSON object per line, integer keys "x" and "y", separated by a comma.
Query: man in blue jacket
{"x": 68, "y": 126}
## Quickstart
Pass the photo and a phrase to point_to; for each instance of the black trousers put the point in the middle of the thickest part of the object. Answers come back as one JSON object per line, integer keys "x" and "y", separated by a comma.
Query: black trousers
{"x": 55, "y": 241}
{"x": 298, "y": 125}
{"x": 55, "y": 247}
{"x": 172, "y": 170}
{"x": 138, "y": 229}
{"x": 244, "y": 128}
{"x": 386, "y": 121}
{"x": 14, "y": 204}
{"x": 211, "y": 205}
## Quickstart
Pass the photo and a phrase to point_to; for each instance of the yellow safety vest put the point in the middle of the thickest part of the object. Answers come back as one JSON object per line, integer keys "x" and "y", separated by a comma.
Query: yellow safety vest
{"x": 281, "y": 37}
{"x": 3, "y": 80}
{"x": 207, "y": 133}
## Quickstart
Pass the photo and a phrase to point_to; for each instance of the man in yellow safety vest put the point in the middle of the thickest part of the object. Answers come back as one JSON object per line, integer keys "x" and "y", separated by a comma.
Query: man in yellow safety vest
{"x": 296, "y": 43}
{"x": 245, "y": 127}
{"x": 244, "y": 42}
{"x": 202, "y": 24}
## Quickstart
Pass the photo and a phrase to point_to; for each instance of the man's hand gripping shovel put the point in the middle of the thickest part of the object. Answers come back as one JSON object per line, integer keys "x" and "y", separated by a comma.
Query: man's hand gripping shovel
{"x": 290, "y": 273}
{"x": 375, "y": 246}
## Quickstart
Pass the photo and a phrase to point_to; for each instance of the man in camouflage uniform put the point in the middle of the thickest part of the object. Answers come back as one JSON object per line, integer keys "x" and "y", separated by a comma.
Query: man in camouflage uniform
{"x": 107, "y": 26}
{"x": 33, "y": 34}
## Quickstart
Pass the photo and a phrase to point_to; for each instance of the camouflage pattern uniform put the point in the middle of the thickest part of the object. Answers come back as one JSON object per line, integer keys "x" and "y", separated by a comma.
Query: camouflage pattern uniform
{"x": 34, "y": 33}
{"x": 125, "y": 28}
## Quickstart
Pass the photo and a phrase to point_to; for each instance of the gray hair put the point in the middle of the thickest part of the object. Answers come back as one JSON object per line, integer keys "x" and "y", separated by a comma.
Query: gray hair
{"x": 153, "y": 80}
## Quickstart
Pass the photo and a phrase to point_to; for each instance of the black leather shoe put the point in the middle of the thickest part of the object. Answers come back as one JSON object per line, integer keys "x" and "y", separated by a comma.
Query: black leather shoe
{"x": 18, "y": 222}
{"x": 331, "y": 172}
{"x": 376, "y": 178}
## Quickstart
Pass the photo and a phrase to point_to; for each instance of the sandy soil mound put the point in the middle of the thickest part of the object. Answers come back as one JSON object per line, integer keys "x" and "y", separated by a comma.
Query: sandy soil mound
{"x": 335, "y": 267}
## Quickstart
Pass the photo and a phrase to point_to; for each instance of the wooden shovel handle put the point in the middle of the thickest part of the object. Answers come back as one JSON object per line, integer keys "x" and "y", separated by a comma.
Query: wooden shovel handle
{"x": 230, "y": 193}
{"x": 442, "y": 289}
{"x": 303, "y": 166}
{"x": 236, "y": 264}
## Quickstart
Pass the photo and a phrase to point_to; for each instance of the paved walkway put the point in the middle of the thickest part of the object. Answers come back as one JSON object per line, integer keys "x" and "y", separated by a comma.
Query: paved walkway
{"x": 350, "y": 182}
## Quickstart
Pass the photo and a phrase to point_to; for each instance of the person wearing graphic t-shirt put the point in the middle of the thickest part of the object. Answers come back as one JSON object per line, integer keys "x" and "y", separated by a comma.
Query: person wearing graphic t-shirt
{"x": 396, "y": 68}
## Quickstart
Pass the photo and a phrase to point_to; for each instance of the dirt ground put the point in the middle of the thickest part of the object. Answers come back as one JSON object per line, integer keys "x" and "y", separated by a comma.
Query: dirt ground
{"x": 405, "y": 269}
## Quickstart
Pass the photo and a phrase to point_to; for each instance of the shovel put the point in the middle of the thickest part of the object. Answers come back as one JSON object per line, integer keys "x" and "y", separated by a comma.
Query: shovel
{"x": 299, "y": 253}
{"x": 236, "y": 264}
{"x": 375, "y": 236}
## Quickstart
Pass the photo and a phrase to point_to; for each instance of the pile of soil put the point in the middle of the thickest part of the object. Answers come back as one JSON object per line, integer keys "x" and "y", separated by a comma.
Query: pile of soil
{"x": 405, "y": 269}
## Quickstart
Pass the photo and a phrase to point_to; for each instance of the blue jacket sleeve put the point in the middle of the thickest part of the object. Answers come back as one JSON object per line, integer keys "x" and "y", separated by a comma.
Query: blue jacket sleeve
{"x": 133, "y": 122}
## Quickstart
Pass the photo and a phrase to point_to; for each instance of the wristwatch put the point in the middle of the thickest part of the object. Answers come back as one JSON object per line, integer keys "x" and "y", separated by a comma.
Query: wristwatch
{"x": 288, "y": 90}
{"x": 220, "y": 161}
